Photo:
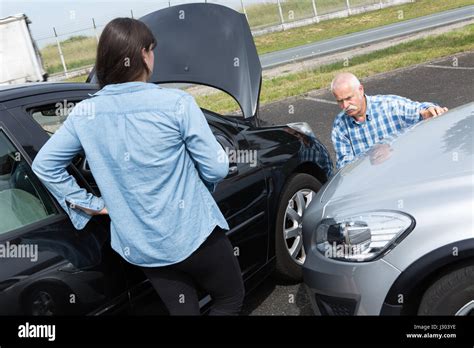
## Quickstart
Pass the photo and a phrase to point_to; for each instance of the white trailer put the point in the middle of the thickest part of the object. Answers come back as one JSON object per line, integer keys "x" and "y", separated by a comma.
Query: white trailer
{"x": 20, "y": 59}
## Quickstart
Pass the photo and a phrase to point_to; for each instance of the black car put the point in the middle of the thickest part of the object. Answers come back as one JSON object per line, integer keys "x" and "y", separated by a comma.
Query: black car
{"x": 47, "y": 267}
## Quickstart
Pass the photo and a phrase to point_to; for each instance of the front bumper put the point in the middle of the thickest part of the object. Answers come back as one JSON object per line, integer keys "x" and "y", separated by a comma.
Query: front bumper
{"x": 347, "y": 288}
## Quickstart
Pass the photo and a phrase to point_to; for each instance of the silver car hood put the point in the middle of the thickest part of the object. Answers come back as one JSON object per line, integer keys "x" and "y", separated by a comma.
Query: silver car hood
{"x": 434, "y": 149}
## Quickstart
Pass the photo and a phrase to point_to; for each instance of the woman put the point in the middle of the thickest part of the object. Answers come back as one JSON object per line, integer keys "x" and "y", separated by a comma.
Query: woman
{"x": 153, "y": 156}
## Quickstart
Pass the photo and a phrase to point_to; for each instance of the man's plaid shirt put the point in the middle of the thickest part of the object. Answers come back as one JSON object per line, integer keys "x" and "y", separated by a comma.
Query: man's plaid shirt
{"x": 386, "y": 115}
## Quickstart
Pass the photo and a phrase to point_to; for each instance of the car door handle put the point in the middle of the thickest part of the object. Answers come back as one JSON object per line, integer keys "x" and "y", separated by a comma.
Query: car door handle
{"x": 233, "y": 170}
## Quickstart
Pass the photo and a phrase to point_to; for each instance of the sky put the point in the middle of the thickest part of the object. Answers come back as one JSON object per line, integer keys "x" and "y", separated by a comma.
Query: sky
{"x": 73, "y": 17}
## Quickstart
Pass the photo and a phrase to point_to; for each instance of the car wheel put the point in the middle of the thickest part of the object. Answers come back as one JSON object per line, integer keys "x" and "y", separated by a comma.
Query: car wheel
{"x": 45, "y": 300}
{"x": 452, "y": 294}
{"x": 296, "y": 195}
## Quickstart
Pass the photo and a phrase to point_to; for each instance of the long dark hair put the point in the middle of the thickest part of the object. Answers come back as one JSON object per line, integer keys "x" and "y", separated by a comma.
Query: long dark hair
{"x": 119, "y": 58}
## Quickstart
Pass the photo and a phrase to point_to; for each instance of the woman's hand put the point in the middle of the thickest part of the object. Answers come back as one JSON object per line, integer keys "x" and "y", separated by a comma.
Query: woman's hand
{"x": 103, "y": 212}
{"x": 93, "y": 212}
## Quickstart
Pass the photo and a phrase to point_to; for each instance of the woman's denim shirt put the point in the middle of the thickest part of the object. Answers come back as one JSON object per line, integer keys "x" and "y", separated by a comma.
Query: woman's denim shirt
{"x": 153, "y": 157}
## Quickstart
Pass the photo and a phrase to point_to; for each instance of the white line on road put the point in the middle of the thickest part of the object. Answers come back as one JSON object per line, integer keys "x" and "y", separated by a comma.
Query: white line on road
{"x": 450, "y": 67}
{"x": 321, "y": 100}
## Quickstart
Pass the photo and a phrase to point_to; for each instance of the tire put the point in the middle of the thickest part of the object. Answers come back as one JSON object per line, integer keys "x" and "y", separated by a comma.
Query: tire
{"x": 46, "y": 299}
{"x": 288, "y": 268}
{"x": 449, "y": 294}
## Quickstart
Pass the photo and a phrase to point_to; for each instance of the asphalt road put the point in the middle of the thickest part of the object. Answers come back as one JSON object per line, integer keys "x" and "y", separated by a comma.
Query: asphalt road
{"x": 437, "y": 81}
{"x": 367, "y": 37}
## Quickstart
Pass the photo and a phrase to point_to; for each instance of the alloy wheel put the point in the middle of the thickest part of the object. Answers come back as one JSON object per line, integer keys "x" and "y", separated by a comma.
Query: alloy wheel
{"x": 292, "y": 224}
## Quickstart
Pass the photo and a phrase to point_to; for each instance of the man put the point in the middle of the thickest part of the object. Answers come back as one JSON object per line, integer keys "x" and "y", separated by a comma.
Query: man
{"x": 366, "y": 120}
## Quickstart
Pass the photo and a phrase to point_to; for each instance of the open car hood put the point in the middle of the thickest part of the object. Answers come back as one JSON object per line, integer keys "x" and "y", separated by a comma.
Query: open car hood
{"x": 206, "y": 44}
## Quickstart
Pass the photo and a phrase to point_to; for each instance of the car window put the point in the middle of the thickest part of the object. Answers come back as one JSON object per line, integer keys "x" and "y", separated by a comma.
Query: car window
{"x": 23, "y": 200}
{"x": 51, "y": 117}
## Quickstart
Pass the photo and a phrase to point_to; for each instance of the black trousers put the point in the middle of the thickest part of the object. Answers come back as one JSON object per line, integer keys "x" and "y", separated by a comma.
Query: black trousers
{"x": 214, "y": 267}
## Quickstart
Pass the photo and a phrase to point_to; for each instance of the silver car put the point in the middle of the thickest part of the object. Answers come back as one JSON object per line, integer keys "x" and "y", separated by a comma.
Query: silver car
{"x": 393, "y": 233}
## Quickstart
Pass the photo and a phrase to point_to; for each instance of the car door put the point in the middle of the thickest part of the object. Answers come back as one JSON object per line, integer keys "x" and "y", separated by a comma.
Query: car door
{"x": 242, "y": 197}
{"x": 61, "y": 270}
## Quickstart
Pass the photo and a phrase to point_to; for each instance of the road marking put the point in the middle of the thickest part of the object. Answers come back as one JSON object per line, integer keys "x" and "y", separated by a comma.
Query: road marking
{"x": 321, "y": 100}
{"x": 450, "y": 67}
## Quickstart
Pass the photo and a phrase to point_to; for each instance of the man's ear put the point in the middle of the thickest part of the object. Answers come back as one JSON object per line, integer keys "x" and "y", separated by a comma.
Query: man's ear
{"x": 361, "y": 89}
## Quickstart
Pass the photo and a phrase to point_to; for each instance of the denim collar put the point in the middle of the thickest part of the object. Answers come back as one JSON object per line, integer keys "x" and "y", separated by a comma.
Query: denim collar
{"x": 126, "y": 87}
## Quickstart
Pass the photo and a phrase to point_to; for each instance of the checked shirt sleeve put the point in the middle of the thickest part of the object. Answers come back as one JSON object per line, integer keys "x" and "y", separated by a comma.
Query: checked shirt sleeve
{"x": 408, "y": 109}
{"x": 342, "y": 147}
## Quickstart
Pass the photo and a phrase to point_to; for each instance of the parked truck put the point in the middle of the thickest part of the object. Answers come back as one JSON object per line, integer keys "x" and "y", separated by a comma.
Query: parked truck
{"x": 20, "y": 58}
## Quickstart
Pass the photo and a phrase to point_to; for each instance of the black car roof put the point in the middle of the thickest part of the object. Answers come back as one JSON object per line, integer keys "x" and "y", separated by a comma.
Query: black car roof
{"x": 10, "y": 92}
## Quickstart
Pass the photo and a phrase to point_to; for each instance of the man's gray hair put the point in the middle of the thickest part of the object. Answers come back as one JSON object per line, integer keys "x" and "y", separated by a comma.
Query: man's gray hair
{"x": 345, "y": 78}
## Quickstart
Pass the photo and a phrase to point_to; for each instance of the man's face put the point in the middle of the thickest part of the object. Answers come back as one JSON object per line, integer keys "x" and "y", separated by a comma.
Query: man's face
{"x": 350, "y": 99}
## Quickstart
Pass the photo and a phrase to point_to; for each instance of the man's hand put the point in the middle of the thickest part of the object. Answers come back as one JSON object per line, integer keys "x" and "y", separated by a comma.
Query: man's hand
{"x": 380, "y": 153}
{"x": 432, "y": 111}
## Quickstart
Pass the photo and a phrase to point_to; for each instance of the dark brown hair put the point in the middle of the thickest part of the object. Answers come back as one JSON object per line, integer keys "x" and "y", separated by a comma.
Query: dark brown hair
{"x": 119, "y": 58}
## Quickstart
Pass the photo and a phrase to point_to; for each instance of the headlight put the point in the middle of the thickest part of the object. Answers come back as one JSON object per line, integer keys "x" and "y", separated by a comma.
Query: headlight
{"x": 361, "y": 237}
{"x": 302, "y": 127}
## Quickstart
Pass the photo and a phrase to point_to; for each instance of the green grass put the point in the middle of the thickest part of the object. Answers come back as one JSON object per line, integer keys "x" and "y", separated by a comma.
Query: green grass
{"x": 80, "y": 51}
{"x": 268, "y": 14}
{"x": 263, "y": 15}
{"x": 81, "y": 78}
{"x": 342, "y": 26}
{"x": 401, "y": 55}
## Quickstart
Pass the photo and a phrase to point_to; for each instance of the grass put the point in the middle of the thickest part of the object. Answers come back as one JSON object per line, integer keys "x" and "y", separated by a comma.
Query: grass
{"x": 80, "y": 51}
{"x": 81, "y": 78}
{"x": 342, "y": 26}
{"x": 398, "y": 56}
{"x": 265, "y": 14}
